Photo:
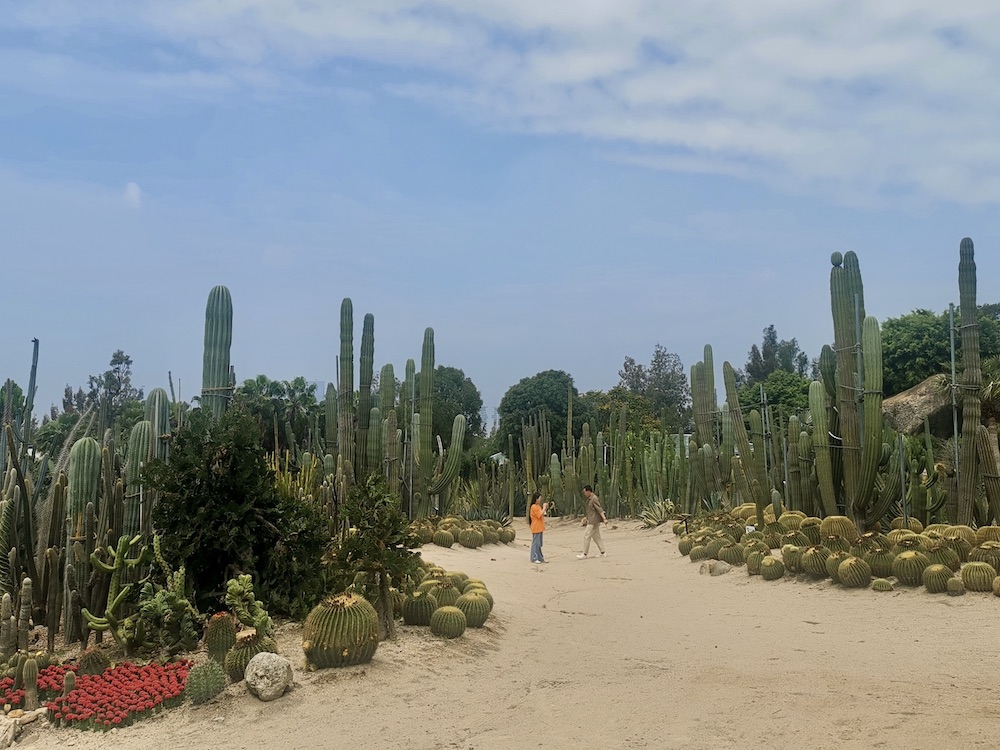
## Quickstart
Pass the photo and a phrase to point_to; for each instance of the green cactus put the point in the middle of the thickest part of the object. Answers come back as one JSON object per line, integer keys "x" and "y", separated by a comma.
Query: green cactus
{"x": 121, "y": 568}
{"x": 216, "y": 376}
{"x": 345, "y": 408}
{"x": 833, "y": 562}
{"x": 476, "y": 608}
{"x": 248, "y": 644}
{"x": 445, "y": 593}
{"x": 882, "y": 584}
{"x": 971, "y": 381}
{"x": 443, "y": 538}
{"x": 418, "y": 608}
{"x": 220, "y": 635}
{"x": 30, "y": 672}
{"x": 140, "y": 453}
{"x": 340, "y": 631}
{"x": 935, "y": 578}
{"x": 854, "y": 573}
{"x": 205, "y": 681}
{"x": 249, "y": 610}
{"x": 978, "y": 576}
{"x": 908, "y": 567}
{"x": 771, "y": 569}
{"x": 448, "y": 622}
{"x": 93, "y": 661}
{"x": 814, "y": 561}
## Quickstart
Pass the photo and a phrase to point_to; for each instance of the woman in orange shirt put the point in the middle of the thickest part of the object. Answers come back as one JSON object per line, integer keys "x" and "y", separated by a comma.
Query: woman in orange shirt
{"x": 537, "y": 513}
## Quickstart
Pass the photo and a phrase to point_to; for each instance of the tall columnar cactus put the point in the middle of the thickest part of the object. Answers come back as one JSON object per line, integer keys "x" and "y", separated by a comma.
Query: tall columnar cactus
{"x": 365, "y": 376}
{"x": 216, "y": 378}
{"x": 345, "y": 416}
{"x": 140, "y": 452}
{"x": 751, "y": 465}
{"x": 81, "y": 491}
{"x": 971, "y": 381}
{"x": 330, "y": 414}
{"x": 821, "y": 447}
{"x": 847, "y": 301}
{"x": 386, "y": 389}
{"x": 393, "y": 457}
{"x": 157, "y": 412}
{"x": 425, "y": 456}
{"x": 453, "y": 458}
{"x": 871, "y": 447}
{"x": 793, "y": 489}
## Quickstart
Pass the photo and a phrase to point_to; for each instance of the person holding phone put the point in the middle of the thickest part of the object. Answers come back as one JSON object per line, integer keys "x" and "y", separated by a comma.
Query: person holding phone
{"x": 537, "y": 514}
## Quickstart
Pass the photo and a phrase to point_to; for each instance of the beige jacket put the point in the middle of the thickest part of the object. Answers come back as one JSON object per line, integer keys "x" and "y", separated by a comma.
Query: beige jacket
{"x": 595, "y": 512}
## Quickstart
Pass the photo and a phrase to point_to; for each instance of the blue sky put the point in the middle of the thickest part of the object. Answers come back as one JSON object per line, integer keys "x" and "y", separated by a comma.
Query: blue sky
{"x": 548, "y": 185}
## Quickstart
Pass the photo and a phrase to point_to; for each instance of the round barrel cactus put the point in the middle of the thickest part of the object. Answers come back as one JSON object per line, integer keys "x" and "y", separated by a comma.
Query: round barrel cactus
{"x": 715, "y": 546}
{"x": 960, "y": 544}
{"x": 987, "y": 552}
{"x": 490, "y": 536}
{"x": 854, "y": 573}
{"x": 978, "y": 576}
{"x": 987, "y": 534}
{"x": 732, "y": 554}
{"x": 248, "y": 644}
{"x": 476, "y": 608}
{"x": 448, "y": 622}
{"x": 443, "y": 538}
{"x": 699, "y": 552}
{"x": 507, "y": 535}
{"x": 446, "y": 593}
{"x": 966, "y": 532}
{"x": 791, "y": 519}
{"x": 910, "y": 523}
{"x": 942, "y": 554}
{"x": 417, "y": 610}
{"x": 814, "y": 561}
{"x": 882, "y": 584}
{"x": 481, "y": 590}
{"x": 880, "y": 560}
{"x": 955, "y": 586}
{"x": 340, "y": 631}
{"x": 791, "y": 555}
{"x": 754, "y": 560}
{"x": 833, "y": 562}
{"x": 909, "y": 543}
{"x": 472, "y": 582}
{"x": 685, "y": 543}
{"x": 868, "y": 541}
{"x": 810, "y": 526}
{"x": 836, "y": 543}
{"x": 908, "y": 567}
{"x": 935, "y": 578}
{"x": 841, "y": 526}
{"x": 771, "y": 569}
{"x": 795, "y": 538}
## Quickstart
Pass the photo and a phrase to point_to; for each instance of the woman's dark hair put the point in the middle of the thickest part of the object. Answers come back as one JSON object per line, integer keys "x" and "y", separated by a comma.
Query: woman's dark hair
{"x": 535, "y": 496}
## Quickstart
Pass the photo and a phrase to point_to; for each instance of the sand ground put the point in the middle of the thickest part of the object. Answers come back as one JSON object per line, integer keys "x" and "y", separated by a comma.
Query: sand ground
{"x": 636, "y": 650}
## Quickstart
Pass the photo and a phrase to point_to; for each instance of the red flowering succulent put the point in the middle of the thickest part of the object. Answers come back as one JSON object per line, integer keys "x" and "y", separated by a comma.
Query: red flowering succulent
{"x": 120, "y": 695}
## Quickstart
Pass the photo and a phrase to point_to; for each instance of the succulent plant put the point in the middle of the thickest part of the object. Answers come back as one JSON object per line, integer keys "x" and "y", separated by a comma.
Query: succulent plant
{"x": 908, "y": 567}
{"x": 476, "y": 608}
{"x": 340, "y": 631}
{"x": 699, "y": 552}
{"x": 836, "y": 543}
{"x": 854, "y": 573}
{"x": 987, "y": 552}
{"x": 248, "y": 644}
{"x": 685, "y": 543}
{"x": 882, "y": 584}
{"x": 880, "y": 561}
{"x": 814, "y": 560}
{"x": 791, "y": 519}
{"x": 869, "y": 541}
{"x": 93, "y": 661}
{"x": 771, "y": 569}
{"x": 966, "y": 532}
{"x": 910, "y": 523}
{"x": 795, "y": 538}
{"x": 791, "y": 555}
{"x": 810, "y": 526}
{"x": 833, "y": 562}
{"x": 942, "y": 554}
{"x": 471, "y": 538}
{"x": 754, "y": 560}
{"x": 482, "y": 591}
{"x": 841, "y": 526}
{"x": 955, "y": 586}
{"x": 732, "y": 554}
{"x": 220, "y": 635}
{"x": 935, "y": 578}
{"x": 417, "y": 610}
{"x": 205, "y": 681}
{"x": 448, "y": 622}
{"x": 443, "y": 538}
{"x": 987, "y": 534}
{"x": 960, "y": 544}
{"x": 908, "y": 544}
{"x": 978, "y": 576}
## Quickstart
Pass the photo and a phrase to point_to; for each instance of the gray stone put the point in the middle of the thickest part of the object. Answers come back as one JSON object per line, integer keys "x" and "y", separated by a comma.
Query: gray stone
{"x": 268, "y": 676}
{"x": 715, "y": 567}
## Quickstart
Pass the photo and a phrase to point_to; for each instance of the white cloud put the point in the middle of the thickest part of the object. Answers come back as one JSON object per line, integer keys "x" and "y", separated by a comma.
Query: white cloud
{"x": 856, "y": 99}
{"x": 133, "y": 195}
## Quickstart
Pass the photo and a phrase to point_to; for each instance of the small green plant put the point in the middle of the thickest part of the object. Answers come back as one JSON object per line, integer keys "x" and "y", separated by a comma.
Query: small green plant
{"x": 205, "y": 681}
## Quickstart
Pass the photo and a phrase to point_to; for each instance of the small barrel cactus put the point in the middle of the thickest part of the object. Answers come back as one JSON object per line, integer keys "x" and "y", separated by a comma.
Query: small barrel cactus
{"x": 699, "y": 552}
{"x": 507, "y": 535}
{"x": 93, "y": 661}
{"x": 443, "y": 538}
{"x": 935, "y": 578}
{"x": 810, "y": 526}
{"x": 841, "y": 526}
{"x": 446, "y": 593}
{"x": 754, "y": 560}
{"x": 771, "y": 569}
{"x": 836, "y": 543}
{"x": 987, "y": 534}
{"x": 978, "y": 576}
{"x": 340, "y": 631}
{"x": 955, "y": 587}
{"x": 880, "y": 560}
{"x": 814, "y": 561}
{"x": 476, "y": 608}
{"x": 942, "y": 554}
{"x": 417, "y": 610}
{"x": 205, "y": 681}
{"x": 471, "y": 538}
{"x": 248, "y": 644}
{"x": 882, "y": 584}
{"x": 448, "y": 622}
{"x": 854, "y": 573}
{"x": 833, "y": 563}
{"x": 791, "y": 555}
{"x": 732, "y": 554}
{"x": 908, "y": 567}
{"x": 220, "y": 635}
{"x": 481, "y": 590}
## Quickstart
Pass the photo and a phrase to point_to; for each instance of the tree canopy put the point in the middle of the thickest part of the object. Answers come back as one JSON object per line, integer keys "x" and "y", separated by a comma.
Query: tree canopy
{"x": 548, "y": 393}
{"x": 918, "y": 345}
{"x": 454, "y": 394}
{"x": 663, "y": 385}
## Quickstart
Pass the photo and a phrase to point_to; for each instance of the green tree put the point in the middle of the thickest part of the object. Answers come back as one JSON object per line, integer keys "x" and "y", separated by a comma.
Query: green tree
{"x": 917, "y": 345}
{"x": 380, "y": 545}
{"x": 454, "y": 394}
{"x": 219, "y": 511}
{"x": 774, "y": 355}
{"x": 548, "y": 393}
{"x": 663, "y": 384}
{"x": 788, "y": 391}
{"x": 114, "y": 387}
{"x": 639, "y": 415}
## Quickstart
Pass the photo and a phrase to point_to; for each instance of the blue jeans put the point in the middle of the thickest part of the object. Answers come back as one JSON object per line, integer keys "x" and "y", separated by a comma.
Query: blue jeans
{"x": 536, "y": 547}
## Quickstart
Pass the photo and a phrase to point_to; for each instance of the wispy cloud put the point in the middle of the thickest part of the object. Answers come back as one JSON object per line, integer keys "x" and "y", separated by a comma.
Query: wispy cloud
{"x": 133, "y": 195}
{"x": 857, "y": 100}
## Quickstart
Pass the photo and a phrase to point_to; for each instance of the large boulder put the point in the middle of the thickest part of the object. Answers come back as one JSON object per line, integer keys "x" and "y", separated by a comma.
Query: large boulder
{"x": 905, "y": 411}
{"x": 268, "y": 676}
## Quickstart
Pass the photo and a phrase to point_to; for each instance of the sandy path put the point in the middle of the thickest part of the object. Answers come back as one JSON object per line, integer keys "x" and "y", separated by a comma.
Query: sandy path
{"x": 635, "y": 650}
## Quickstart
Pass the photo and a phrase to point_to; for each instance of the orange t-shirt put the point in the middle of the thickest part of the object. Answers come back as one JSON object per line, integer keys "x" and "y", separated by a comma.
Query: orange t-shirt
{"x": 537, "y": 519}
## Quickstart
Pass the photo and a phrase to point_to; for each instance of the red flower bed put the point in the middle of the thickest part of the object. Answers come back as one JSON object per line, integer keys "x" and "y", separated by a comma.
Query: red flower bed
{"x": 120, "y": 695}
{"x": 50, "y": 684}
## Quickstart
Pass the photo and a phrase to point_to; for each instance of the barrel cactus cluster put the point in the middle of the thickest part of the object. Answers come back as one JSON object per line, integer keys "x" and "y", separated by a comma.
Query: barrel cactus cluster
{"x": 447, "y": 602}
{"x": 938, "y": 559}
{"x": 452, "y": 530}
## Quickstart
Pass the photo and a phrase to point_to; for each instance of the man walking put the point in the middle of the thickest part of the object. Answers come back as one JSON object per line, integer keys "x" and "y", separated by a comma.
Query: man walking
{"x": 594, "y": 517}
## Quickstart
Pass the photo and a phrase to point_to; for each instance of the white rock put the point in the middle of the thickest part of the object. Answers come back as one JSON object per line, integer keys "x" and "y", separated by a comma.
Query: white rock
{"x": 268, "y": 676}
